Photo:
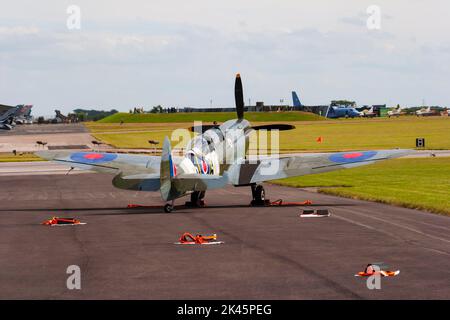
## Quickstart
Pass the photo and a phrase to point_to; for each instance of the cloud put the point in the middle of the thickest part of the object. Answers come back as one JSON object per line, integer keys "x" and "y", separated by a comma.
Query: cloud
{"x": 143, "y": 54}
{"x": 18, "y": 31}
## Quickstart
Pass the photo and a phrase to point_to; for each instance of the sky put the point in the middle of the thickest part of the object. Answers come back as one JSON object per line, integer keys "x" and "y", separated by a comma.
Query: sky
{"x": 179, "y": 53}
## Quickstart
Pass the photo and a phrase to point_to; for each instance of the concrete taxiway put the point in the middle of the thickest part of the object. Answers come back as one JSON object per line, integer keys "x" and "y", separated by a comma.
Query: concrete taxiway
{"x": 23, "y": 138}
{"x": 269, "y": 253}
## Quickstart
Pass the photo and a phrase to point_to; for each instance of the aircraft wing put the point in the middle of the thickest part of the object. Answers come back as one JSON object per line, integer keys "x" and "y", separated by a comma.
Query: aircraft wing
{"x": 127, "y": 164}
{"x": 279, "y": 168}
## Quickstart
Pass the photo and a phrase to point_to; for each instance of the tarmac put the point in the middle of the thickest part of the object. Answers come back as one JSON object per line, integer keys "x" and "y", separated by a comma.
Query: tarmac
{"x": 269, "y": 252}
{"x": 23, "y": 138}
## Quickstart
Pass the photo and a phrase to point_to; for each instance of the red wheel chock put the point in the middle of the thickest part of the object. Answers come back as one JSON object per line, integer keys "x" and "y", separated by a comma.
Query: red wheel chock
{"x": 279, "y": 203}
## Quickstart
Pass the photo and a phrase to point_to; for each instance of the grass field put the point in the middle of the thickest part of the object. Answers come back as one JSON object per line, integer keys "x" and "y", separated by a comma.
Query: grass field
{"x": 341, "y": 134}
{"x": 209, "y": 117}
{"x": 10, "y": 157}
{"x": 413, "y": 183}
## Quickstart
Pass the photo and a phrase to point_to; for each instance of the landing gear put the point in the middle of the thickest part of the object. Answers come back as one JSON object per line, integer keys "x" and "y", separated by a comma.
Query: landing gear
{"x": 168, "y": 208}
{"x": 196, "y": 199}
{"x": 259, "y": 195}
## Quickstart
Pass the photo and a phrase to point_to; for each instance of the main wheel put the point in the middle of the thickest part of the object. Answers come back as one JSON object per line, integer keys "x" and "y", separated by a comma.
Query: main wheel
{"x": 168, "y": 208}
{"x": 260, "y": 194}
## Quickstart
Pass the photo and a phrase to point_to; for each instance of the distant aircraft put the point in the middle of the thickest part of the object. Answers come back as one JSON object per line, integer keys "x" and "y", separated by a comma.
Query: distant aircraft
{"x": 23, "y": 115}
{"x": 368, "y": 113}
{"x": 15, "y": 115}
{"x": 426, "y": 112}
{"x": 7, "y": 119}
{"x": 60, "y": 117}
{"x": 396, "y": 112}
{"x": 214, "y": 158}
{"x": 332, "y": 111}
{"x": 296, "y": 100}
{"x": 342, "y": 112}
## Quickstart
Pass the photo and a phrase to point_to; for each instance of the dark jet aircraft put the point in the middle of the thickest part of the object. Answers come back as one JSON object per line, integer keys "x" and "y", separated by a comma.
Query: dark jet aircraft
{"x": 7, "y": 119}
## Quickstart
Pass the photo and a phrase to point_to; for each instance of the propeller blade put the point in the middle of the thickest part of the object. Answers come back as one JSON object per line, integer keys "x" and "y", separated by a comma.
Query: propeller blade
{"x": 239, "y": 97}
{"x": 281, "y": 127}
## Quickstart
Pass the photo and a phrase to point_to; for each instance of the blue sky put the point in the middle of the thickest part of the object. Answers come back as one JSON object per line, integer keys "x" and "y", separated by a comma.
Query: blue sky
{"x": 185, "y": 53}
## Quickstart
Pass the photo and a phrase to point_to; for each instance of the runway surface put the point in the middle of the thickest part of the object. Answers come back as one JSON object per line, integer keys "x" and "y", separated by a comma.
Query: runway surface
{"x": 269, "y": 253}
{"x": 23, "y": 138}
{"x": 33, "y": 129}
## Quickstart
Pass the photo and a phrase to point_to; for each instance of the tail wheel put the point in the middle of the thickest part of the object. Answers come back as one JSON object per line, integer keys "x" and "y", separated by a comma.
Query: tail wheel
{"x": 168, "y": 208}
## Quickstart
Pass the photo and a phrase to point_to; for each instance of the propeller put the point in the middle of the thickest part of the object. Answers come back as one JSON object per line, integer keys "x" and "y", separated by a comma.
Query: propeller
{"x": 239, "y": 99}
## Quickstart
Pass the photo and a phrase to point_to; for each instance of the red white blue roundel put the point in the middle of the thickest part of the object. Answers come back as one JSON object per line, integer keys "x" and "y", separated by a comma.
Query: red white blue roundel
{"x": 92, "y": 157}
{"x": 205, "y": 167}
{"x": 349, "y": 157}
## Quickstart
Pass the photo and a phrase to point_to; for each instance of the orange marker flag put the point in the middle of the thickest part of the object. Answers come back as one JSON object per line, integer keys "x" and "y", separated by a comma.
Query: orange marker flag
{"x": 319, "y": 139}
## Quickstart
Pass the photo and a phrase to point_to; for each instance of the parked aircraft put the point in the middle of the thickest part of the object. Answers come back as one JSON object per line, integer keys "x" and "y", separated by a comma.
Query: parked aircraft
{"x": 370, "y": 113}
{"x": 15, "y": 115}
{"x": 7, "y": 119}
{"x": 426, "y": 112}
{"x": 396, "y": 112}
{"x": 23, "y": 115}
{"x": 330, "y": 112}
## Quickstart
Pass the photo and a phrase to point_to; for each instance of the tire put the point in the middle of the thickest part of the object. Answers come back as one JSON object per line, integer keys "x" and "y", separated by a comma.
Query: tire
{"x": 260, "y": 194}
{"x": 168, "y": 208}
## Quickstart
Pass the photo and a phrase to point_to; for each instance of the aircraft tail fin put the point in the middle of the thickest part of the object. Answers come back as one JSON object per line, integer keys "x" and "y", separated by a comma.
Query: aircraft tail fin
{"x": 296, "y": 100}
{"x": 167, "y": 170}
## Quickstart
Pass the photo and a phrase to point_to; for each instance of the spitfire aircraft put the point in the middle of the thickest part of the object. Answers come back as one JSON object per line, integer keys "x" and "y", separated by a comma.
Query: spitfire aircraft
{"x": 215, "y": 157}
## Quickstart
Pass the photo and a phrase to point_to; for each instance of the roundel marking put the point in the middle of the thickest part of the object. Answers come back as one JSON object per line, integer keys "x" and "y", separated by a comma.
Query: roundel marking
{"x": 349, "y": 157}
{"x": 92, "y": 158}
{"x": 204, "y": 166}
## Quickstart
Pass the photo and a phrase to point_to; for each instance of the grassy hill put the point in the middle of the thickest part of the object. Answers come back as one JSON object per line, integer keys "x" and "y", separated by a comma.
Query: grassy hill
{"x": 209, "y": 117}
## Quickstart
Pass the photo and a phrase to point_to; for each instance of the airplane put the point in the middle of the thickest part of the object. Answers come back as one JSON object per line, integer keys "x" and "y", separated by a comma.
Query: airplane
{"x": 320, "y": 110}
{"x": 23, "y": 115}
{"x": 426, "y": 112}
{"x": 214, "y": 158}
{"x": 7, "y": 119}
{"x": 60, "y": 118}
{"x": 332, "y": 112}
{"x": 395, "y": 112}
{"x": 335, "y": 112}
{"x": 368, "y": 113}
{"x": 19, "y": 114}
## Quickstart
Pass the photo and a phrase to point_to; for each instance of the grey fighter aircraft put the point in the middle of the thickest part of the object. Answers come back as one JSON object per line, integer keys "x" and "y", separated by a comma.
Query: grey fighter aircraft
{"x": 7, "y": 119}
{"x": 214, "y": 158}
